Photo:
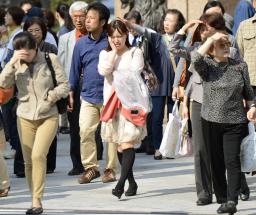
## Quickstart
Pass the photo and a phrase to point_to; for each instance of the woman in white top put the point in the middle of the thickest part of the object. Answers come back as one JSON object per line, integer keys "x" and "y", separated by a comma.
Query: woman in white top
{"x": 122, "y": 65}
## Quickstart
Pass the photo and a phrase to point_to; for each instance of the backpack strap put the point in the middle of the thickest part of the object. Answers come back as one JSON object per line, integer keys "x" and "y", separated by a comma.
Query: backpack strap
{"x": 49, "y": 63}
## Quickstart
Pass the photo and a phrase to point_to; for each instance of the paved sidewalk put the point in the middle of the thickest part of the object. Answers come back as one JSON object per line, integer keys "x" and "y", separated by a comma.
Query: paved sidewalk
{"x": 165, "y": 187}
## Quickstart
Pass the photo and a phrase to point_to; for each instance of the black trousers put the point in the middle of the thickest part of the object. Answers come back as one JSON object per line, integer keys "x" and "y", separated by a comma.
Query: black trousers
{"x": 99, "y": 144}
{"x": 51, "y": 156}
{"x": 224, "y": 142}
{"x": 203, "y": 178}
{"x": 73, "y": 118}
{"x": 10, "y": 126}
{"x": 147, "y": 142}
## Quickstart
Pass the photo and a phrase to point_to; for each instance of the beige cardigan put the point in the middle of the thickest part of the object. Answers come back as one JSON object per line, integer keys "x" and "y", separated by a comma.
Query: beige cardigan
{"x": 35, "y": 85}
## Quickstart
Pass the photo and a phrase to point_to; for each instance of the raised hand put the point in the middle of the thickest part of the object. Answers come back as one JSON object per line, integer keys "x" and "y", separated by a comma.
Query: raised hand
{"x": 219, "y": 35}
{"x": 191, "y": 24}
{"x": 126, "y": 22}
{"x": 19, "y": 55}
{"x": 251, "y": 114}
{"x": 112, "y": 45}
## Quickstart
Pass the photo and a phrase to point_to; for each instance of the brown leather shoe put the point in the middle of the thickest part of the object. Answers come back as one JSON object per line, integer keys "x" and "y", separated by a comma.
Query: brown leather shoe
{"x": 4, "y": 192}
{"x": 109, "y": 176}
{"x": 88, "y": 176}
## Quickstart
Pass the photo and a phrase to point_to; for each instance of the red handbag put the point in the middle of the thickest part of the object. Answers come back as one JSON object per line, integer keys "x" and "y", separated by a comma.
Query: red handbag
{"x": 136, "y": 116}
{"x": 6, "y": 94}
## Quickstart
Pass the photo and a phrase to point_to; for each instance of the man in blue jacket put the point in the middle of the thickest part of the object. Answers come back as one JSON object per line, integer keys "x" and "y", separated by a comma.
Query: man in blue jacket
{"x": 85, "y": 60}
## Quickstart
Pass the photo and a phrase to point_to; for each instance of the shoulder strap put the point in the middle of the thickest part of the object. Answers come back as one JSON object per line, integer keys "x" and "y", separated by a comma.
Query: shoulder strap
{"x": 49, "y": 63}
{"x": 133, "y": 51}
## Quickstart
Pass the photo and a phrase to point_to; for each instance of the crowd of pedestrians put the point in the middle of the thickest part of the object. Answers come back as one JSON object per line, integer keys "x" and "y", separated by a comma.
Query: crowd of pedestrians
{"x": 91, "y": 80}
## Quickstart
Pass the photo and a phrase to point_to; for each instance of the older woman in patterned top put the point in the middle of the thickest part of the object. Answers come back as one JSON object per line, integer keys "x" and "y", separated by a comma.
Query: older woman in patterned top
{"x": 226, "y": 85}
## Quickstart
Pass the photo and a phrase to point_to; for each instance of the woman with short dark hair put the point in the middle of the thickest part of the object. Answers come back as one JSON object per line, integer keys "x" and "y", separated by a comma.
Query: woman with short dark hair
{"x": 226, "y": 90}
{"x": 208, "y": 25}
{"x": 37, "y": 112}
{"x": 37, "y": 27}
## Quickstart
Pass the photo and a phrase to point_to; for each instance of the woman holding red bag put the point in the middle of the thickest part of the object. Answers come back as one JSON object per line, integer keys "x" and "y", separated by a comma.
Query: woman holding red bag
{"x": 122, "y": 125}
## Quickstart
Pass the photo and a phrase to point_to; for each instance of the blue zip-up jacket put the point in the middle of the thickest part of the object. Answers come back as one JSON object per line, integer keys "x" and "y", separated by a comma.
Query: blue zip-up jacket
{"x": 244, "y": 10}
{"x": 85, "y": 59}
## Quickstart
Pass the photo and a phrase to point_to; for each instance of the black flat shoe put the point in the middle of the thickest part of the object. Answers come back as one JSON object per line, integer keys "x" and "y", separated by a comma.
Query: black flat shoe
{"x": 140, "y": 150}
{"x": 202, "y": 202}
{"x": 75, "y": 172}
{"x": 245, "y": 195}
{"x": 229, "y": 207}
{"x": 49, "y": 171}
{"x": 117, "y": 193}
{"x": 64, "y": 130}
{"x": 20, "y": 174}
{"x": 158, "y": 157}
{"x": 35, "y": 210}
{"x": 132, "y": 190}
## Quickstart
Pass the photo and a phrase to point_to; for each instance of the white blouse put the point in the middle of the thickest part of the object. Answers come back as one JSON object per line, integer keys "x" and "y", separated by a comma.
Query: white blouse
{"x": 130, "y": 61}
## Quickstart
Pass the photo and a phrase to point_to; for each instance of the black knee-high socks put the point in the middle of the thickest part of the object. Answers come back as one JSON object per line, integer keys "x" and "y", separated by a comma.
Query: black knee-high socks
{"x": 130, "y": 176}
{"x": 126, "y": 160}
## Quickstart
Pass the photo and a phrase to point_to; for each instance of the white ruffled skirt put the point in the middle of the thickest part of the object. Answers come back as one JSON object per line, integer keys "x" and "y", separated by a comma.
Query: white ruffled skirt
{"x": 120, "y": 130}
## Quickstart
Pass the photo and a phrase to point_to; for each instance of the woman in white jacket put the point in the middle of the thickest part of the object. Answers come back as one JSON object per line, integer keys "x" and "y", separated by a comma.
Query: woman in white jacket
{"x": 125, "y": 125}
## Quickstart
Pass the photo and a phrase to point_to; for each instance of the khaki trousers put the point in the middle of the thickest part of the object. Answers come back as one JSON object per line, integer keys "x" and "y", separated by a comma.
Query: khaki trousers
{"x": 36, "y": 137}
{"x": 4, "y": 178}
{"x": 88, "y": 121}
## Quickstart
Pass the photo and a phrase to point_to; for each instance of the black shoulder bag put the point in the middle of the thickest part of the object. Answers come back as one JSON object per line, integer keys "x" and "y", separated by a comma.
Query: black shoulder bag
{"x": 148, "y": 73}
{"x": 63, "y": 102}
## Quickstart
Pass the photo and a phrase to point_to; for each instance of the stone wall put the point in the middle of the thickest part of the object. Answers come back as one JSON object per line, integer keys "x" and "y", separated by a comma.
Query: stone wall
{"x": 229, "y": 5}
{"x": 191, "y": 9}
